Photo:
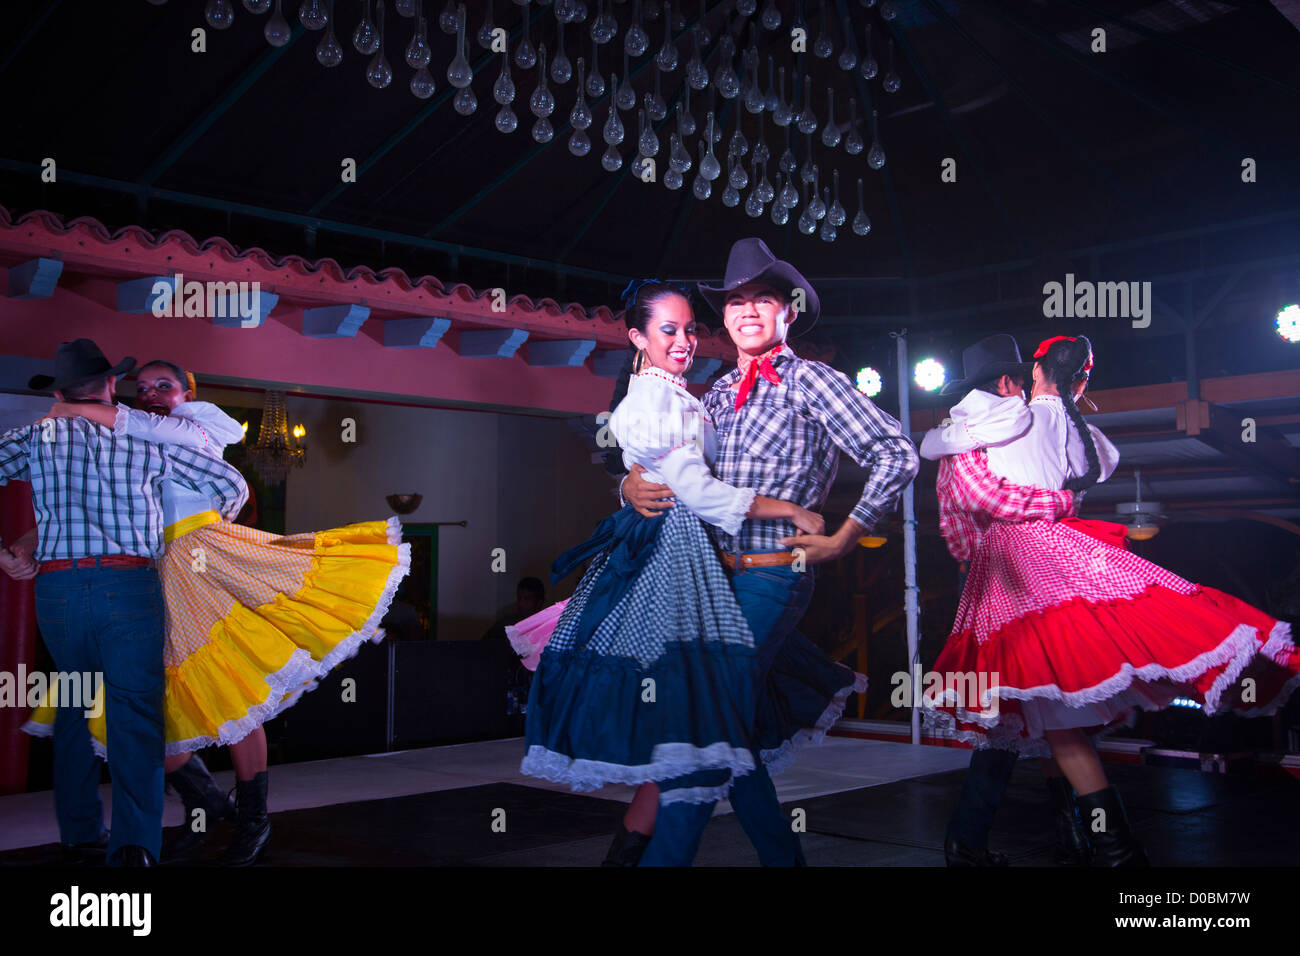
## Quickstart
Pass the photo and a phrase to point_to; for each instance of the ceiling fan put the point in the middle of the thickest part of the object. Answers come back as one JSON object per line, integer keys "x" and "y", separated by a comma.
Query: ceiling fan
{"x": 1142, "y": 518}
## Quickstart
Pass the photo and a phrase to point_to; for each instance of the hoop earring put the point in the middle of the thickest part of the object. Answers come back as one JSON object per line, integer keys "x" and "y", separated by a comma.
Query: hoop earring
{"x": 638, "y": 361}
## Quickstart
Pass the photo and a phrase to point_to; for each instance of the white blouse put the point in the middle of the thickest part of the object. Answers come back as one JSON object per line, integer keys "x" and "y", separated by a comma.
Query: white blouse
{"x": 977, "y": 421}
{"x": 665, "y": 429}
{"x": 198, "y": 425}
{"x": 1032, "y": 444}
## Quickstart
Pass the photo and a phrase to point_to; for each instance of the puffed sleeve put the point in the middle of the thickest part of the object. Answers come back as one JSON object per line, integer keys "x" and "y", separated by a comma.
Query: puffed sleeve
{"x": 199, "y": 425}
{"x": 978, "y": 421}
{"x": 1107, "y": 453}
{"x": 654, "y": 428}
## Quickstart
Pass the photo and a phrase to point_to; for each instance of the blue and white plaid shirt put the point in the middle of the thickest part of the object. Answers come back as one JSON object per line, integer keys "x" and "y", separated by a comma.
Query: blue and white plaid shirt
{"x": 785, "y": 443}
{"x": 95, "y": 493}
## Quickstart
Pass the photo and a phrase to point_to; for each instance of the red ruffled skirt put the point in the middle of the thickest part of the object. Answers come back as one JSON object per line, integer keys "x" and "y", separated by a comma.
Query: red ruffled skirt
{"x": 1057, "y": 629}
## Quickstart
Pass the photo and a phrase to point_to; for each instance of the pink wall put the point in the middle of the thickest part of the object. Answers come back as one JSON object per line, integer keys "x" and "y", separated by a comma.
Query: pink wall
{"x": 278, "y": 353}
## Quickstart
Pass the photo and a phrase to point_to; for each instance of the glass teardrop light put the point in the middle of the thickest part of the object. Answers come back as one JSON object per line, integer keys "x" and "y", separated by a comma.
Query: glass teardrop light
{"x": 636, "y": 40}
{"x": 666, "y": 58}
{"x": 418, "y": 51}
{"x": 506, "y": 120}
{"x": 422, "y": 84}
{"x": 312, "y": 14}
{"x": 861, "y": 223}
{"x": 580, "y": 116}
{"x": 365, "y": 38}
{"x": 329, "y": 51}
{"x": 853, "y": 143}
{"x": 595, "y": 82}
{"x": 378, "y": 74}
{"x": 465, "y": 102}
{"x": 525, "y": 52}
{"x": 579, "y": 142}
{"x": 611, "y": 161}
{"x": 485, "y": 29}
{"x": 459, "y": 72}
{"x": 220, "y": 14}
{"x": 542, "y": 102}
{"x": 626, "y": 95}
{"x": 277, "y": 30}
{"x": 561, "y": 68}
{"x": 503, "y": 90}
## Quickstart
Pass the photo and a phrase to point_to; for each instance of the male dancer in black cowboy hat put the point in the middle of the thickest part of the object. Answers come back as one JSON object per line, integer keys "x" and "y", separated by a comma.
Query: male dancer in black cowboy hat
{"x": 992, "y": 411}
{"x": 782, "y": 423}
{"x": 97, "y": 498}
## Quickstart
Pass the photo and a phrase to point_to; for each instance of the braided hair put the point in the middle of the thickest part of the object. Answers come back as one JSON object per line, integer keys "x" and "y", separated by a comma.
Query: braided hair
{"x": 639, "y": 300}
{"x": 1064, "y": 366}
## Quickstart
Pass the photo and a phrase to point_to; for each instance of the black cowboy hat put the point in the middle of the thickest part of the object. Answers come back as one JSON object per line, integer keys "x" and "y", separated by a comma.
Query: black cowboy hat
{"x": 987, "y": 359}
{"x": 76, "y": 363}
{"x": 750, "y": 260}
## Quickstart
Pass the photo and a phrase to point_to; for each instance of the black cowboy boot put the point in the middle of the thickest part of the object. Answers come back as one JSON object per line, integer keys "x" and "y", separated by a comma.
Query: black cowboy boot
{"x": 197, "y": 790}
{"x": 627, "y": 848}
{"x": 1113, "y": 841}
{"x": 86, "y": 854}
{"x": 960, "y": 855}
{"x": 253, "y": 829}
{"x": 1072, "y": 846}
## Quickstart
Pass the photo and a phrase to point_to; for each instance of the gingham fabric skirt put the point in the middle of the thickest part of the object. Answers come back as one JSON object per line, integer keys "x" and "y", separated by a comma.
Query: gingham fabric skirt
{"x": 1060, "y": 630}
{"x": 662, "y": 688}
{"x": 254, "y": 620}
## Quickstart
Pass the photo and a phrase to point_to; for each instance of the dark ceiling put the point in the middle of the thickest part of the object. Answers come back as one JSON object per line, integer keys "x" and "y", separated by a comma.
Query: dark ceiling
{"x": 1057, "y": 147}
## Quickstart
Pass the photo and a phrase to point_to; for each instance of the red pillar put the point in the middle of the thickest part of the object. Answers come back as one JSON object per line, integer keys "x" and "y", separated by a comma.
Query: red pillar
{"x": 17, "y": 636}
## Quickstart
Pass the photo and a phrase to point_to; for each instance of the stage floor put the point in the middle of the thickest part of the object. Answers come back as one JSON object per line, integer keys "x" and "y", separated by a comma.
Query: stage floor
{"x": 865, "y": 802}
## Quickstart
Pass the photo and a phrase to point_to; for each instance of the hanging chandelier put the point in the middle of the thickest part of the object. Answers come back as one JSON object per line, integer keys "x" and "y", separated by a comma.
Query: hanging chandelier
{"x": 276, "y": 451}
{"x": 815, "y": 136}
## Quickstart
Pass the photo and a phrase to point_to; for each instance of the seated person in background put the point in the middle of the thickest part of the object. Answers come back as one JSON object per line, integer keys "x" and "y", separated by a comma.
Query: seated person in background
{"x": 530, "y": 596}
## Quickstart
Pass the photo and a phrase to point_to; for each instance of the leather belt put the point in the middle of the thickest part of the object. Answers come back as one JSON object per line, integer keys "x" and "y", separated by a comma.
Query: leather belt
{"x": 767, "y": 559}
{"x": 97, "y": 561}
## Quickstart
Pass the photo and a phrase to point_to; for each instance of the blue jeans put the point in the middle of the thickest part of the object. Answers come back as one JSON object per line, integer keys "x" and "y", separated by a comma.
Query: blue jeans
{"x": 773, "y": 601}
{"x": 981, "y": 793}
{"x": 109, "y": 621}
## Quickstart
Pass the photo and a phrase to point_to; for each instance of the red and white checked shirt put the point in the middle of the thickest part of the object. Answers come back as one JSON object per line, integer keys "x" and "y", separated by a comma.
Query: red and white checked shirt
{"x": 971, "y": 497}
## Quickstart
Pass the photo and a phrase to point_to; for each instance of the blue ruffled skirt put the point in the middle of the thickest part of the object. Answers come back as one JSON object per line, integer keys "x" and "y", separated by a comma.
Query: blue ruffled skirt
{"x": 663, "y": 683}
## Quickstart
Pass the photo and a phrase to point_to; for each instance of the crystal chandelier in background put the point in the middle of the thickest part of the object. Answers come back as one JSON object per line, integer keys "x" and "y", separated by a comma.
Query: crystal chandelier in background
{"x": 276, "y": 451}
{"x": 655, "y": 32}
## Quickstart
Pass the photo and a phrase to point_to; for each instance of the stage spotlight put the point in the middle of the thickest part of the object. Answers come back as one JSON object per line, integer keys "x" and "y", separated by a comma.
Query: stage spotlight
{"x": 1288, "y": 323}
{"x": 929, "y": 374}
{"x": 1185, "y": 702}
{"x": 869, "y": 383}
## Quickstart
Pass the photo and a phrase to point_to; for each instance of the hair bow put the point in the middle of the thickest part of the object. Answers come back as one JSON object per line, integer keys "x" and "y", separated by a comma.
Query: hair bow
{"x": 633, "y": 287}
{"x": 1046, "y": 344}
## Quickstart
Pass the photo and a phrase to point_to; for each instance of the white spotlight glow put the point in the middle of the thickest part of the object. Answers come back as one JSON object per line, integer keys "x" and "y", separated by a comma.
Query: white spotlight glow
{"x": 1288, "y": 323}
{"x": 869, "y": 383}
{"x": 929, "y": 374}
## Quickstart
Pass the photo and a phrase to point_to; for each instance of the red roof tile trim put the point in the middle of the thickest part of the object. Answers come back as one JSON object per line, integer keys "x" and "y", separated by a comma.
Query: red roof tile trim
{"x": 390, "y": 290}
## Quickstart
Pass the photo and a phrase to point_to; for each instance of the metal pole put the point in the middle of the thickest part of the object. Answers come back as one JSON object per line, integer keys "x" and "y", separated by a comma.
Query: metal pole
{"x": 909, "y": 539}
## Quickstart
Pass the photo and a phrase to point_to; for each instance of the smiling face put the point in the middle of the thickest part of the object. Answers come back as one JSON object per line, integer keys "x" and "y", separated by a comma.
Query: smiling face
{"x": 757, "y": 317}
{"x": 158, "y": 390}
{"x": 670, "y": 337}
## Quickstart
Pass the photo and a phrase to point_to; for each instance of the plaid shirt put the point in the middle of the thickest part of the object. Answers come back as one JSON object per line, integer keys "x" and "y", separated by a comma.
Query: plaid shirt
{"x": 785, "y": 443}
{"x": 971, "y": 497}
{"x": 95, "y": 493}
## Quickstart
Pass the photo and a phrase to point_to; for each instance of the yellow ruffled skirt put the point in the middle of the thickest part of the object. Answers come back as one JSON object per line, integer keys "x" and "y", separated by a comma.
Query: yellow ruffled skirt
{"x": 254, "y": 620}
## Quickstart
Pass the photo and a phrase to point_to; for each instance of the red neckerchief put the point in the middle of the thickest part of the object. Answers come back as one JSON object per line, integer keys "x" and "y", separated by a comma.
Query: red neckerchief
{"x": 751, "y": 367}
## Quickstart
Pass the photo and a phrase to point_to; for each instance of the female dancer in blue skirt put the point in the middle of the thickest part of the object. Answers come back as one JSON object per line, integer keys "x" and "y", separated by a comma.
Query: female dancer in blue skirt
{"x": 649, "y": 672}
